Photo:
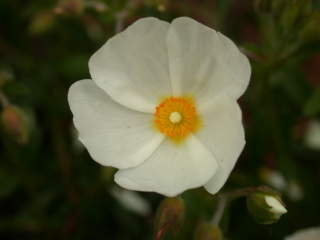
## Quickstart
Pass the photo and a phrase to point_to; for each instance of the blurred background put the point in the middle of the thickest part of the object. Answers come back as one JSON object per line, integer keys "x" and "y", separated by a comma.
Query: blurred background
{"x": 49, "y": 186}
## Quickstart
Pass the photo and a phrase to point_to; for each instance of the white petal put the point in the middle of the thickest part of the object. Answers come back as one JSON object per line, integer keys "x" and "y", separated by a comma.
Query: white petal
{"x": 132, "y": 67}
{"x": 114, "y": 135}
{"x": 223, "y": 134}
{"x": 275, "y": 205}
{"x": 171, "y": 169}
{"x": 204, "y": 62}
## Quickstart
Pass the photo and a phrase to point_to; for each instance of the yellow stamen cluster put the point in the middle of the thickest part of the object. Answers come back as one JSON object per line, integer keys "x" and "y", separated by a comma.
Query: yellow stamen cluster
{"x": 176, "y": 117}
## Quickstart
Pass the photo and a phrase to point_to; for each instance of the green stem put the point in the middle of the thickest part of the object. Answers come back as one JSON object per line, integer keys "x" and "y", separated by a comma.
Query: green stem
{"x": 222, "y": 203}
{"x": 225, "y": 198}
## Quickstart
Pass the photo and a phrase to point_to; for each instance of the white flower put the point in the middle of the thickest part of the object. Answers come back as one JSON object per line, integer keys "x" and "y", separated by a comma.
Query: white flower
{"x": 162, "y": 106}
{"x": 305, "y": 234}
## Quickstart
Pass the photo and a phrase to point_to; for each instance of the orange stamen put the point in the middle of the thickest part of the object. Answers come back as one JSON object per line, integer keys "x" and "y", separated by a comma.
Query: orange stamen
{"x": 176, "y": 117}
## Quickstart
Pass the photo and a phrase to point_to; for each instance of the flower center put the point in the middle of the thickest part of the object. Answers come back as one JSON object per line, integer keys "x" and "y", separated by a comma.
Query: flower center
{"x": 176, "y": 117}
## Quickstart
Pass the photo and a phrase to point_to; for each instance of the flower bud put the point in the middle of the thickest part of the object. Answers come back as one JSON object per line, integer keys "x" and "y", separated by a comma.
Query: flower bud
{"x": 15, "y": 123}
{"x": 266, "y": 208}
{"x": 207, "y": 231}
{"x": 169, "y": 217}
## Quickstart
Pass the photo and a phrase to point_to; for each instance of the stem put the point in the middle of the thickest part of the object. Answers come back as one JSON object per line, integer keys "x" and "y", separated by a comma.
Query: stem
{"x": 222, "y": 203}
{"x": 239, "y": 193}
{"x": 64, "y": 160}
{"x": 227, "y": 197}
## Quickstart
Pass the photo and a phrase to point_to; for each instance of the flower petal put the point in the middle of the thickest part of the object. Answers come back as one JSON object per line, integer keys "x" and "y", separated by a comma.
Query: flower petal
{"x": 171, "y": 169}
{"x": 132, "y": 67}
{"x": 114, "y": 135}
{"x": 223, "y": 134}
{"x": 204, "y": 62}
